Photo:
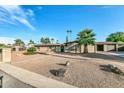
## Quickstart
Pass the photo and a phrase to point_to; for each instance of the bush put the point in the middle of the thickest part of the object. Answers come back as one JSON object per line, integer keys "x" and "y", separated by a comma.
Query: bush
{"x": 30, "y": 51}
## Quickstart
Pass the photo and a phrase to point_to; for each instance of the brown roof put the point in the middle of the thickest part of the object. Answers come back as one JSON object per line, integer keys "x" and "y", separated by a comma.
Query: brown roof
{"x": 96, "y": 42}
{"x": 47, "y": 45}
{"x": 106, "y": 43}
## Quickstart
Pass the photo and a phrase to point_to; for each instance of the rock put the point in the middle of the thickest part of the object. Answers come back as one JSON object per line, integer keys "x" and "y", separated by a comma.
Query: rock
{"x": 67, "y": 63}
{"x": 114, "y": 69}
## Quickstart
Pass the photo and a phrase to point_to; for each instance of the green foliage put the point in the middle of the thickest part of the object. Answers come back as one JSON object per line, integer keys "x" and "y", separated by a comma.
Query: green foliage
{"x": 45, "y": 40}
{"x": 31, "y": 42}
{"x": 19, "y": 42}
{"x": 52, "y": 40}
{"x": 31, "y": 51}
{"x": 57, "y": 41}
{"x": 116, "y": 37}
{"x": 86, "y": 37}
{"x": 2, "y": 45}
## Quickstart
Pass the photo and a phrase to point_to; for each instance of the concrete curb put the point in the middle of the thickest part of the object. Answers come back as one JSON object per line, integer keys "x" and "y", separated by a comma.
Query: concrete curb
{"x": 31, "y": 78}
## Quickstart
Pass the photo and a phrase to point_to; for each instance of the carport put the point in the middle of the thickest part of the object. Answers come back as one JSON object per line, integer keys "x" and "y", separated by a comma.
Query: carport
{"x": 106, "y": 46}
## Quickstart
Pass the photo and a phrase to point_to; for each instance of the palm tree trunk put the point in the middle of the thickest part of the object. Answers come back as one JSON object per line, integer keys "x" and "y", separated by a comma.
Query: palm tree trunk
{"x": 85, "y": 48}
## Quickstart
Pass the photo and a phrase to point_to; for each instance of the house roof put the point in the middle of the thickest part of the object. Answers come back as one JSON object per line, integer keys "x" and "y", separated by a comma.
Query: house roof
{"x": 106, "y": 43}
{"x": 95, "y": 42}
{"x": 47, "y": 45}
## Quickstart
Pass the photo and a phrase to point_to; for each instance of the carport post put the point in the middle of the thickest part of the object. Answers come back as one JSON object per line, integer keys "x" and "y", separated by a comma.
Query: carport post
{"x": 116, "y": 47}
{"x": 95, "y": 48}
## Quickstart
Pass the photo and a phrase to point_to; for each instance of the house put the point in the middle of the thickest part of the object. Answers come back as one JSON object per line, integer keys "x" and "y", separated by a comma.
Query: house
{"x": 18, "y": 48}
{"x": 46, "y": 48}
{"x": 73, "y": 47}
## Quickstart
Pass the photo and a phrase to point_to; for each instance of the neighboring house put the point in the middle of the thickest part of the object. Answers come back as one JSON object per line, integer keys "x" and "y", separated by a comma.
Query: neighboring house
{"x": 45, "y": 48}
{"x": 18, "y": 48}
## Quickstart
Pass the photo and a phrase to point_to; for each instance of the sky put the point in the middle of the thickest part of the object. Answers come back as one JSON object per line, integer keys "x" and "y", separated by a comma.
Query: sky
{"x": 36, "y": 21}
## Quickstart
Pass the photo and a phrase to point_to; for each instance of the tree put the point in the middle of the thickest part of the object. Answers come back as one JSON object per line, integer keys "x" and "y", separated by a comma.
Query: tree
{"x": 31, "y": 42}
{"x": 42, "y": 40}
{"x": 57, "y": 41}
{"x": 66, "y": 39}
{"x": 19, "y": 42}
{"x": 116, "y": 37}
{"x": 2, "y": 45}
{"x": 52, "y": 40}
{"x": 86, "y": 37}
{"x": 69, "y": 32}
{"x": 45, "y": 40}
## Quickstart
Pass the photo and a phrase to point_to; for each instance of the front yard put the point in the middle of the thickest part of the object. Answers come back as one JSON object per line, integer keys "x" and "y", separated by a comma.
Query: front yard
{"x": 82, "y": 71}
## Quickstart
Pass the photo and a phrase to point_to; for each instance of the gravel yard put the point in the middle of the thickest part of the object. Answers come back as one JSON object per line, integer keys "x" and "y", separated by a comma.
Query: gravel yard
{"x": 82, "y": 72}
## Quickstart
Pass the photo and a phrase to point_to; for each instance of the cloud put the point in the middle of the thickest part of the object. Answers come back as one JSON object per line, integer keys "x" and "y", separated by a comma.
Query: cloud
{"x": 30, "y": 12}
{"x": 6, "y": 40}
{"x": 15, "y": 14}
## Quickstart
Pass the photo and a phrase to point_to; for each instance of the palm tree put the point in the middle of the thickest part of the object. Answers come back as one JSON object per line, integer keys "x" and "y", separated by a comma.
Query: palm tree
{"x": 31, "y": 42}
{"x": 42, "y": 40}
{"x": 57, "y": 41}
{"x": 52, "y": 40}
{"x": 86, "y": 37}
{"x": 70, "y": 34}
{"x": 45, "y": 40}
{"x": 67, "y": 35}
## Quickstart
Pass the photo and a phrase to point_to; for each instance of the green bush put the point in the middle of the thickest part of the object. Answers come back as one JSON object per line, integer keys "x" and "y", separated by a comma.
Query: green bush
{"x": 30, "y": 51}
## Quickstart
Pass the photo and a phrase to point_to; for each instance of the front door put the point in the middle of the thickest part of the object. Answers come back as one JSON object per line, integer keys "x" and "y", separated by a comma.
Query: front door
{"x": 62, "y": 48}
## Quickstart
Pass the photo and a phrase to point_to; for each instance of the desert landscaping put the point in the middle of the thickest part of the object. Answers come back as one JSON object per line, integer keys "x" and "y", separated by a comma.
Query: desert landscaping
{"x": 84, "y": 70}
{"x": 61, "y": 46}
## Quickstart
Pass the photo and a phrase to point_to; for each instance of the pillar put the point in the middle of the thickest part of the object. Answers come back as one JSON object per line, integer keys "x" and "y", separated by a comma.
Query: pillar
{"x": 6, "y": 55}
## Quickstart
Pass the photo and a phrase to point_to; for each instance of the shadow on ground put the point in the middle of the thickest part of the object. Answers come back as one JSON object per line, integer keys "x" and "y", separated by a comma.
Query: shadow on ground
{"x": 95, "y": 55}
{"x": 61, "y": 64}
{"x": 88, "y": 55}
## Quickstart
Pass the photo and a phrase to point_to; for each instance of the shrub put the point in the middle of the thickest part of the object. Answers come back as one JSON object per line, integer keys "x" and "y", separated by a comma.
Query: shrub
{"x": 30, "y": 51}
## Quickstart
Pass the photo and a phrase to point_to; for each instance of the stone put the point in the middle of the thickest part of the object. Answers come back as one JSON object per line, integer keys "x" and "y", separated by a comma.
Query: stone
{"x": 67, "y": 63}
{"x": 114, "y": 69}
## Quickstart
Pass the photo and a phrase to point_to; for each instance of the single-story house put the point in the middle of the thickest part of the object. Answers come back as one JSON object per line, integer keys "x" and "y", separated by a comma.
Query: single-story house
{"x": 73, "y": 47}
{"x": 18, "y": 48}
{"x": 98, "y": 46}
{"x": 45, "y": 48}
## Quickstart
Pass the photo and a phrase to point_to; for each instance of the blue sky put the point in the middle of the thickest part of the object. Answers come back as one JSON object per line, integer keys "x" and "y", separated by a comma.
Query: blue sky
{"x": 33, "y": 22}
